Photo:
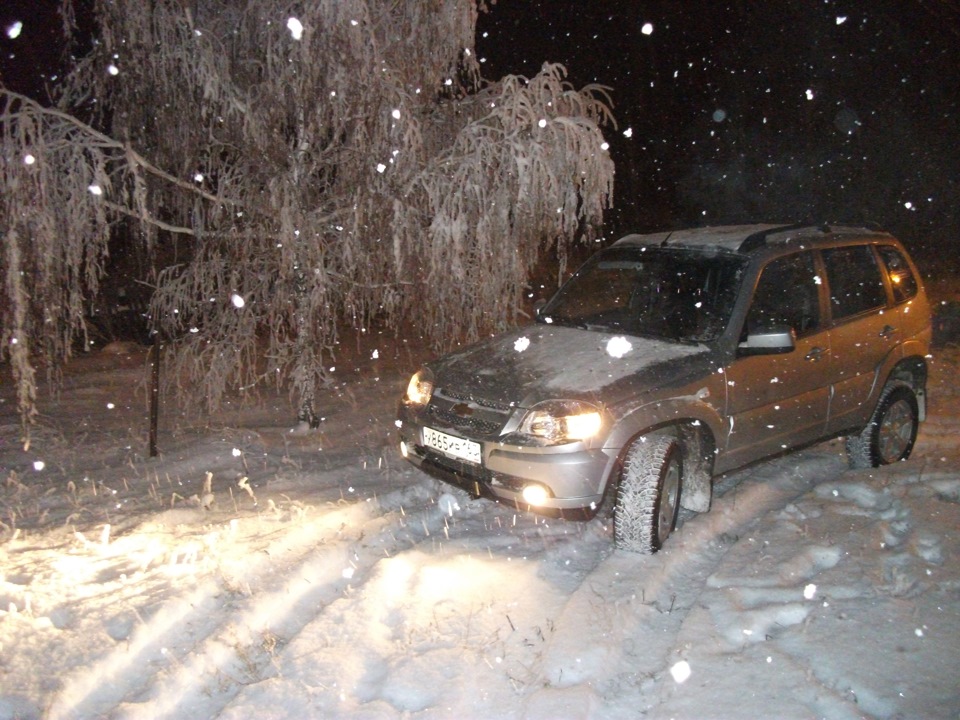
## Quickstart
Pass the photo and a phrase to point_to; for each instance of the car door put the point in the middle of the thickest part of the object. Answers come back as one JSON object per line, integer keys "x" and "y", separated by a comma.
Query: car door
{"x": 865, "y": 329}
{"x": 777, "y": 401}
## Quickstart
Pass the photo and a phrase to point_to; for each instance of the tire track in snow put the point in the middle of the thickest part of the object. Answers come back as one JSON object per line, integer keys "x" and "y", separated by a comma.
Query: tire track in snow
{"x": 196, "y": 653}
{"x": 637, "y": 605}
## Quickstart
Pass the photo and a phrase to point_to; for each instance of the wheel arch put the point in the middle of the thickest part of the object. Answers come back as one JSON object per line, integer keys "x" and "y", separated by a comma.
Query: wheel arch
{"x": 697, "y": 439}
{"x": 912, "y": 371}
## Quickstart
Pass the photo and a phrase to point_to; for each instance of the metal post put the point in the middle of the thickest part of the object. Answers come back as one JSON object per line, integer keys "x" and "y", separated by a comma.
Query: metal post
{"x": 155, "y": 394}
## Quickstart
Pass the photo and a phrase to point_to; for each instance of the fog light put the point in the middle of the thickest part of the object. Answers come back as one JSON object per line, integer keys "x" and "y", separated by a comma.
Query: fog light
{"x": 403, "y": 449}
{"x": 535, "y": 494}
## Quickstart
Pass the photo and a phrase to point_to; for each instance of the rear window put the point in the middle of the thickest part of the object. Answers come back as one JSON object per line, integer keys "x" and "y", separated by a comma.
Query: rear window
{"x": 901, "y": 276}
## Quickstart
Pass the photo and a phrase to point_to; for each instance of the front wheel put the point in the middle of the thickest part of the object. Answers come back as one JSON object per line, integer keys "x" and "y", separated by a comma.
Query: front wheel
{"x": 649, "y": 494}
{"x": 891, "y": 432}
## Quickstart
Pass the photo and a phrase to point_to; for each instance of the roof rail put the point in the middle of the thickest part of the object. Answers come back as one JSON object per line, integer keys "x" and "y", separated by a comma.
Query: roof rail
{"x": 759, "y": 239}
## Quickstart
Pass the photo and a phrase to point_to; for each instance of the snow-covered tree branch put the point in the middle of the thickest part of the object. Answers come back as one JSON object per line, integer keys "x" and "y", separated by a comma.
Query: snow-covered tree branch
{"x": 334, "y": 162}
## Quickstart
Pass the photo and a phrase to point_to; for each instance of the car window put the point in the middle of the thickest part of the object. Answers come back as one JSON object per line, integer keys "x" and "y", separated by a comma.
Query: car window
{"x": 856, "y": 285}
{"x": 901, "y": 276}
{"x": 788, "y": 293}
{"x": 665, "y": 293}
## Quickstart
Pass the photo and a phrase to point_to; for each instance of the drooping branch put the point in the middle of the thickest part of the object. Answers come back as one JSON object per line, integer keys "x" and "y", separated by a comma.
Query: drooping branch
{"x": 356, "y": 171}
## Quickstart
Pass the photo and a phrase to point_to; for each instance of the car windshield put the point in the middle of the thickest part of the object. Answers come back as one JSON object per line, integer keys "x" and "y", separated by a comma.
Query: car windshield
{"x": 675, "y": 294}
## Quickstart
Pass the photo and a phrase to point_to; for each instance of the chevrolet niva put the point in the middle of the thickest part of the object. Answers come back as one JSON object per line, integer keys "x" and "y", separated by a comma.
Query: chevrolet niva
{"x": 670, "y": 358}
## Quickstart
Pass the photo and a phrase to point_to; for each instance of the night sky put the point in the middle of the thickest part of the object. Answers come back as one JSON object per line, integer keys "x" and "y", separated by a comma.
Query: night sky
{"x": 818, "y": 110}
{"x": 746, "y": 111}
{"x": 29, "y": 60}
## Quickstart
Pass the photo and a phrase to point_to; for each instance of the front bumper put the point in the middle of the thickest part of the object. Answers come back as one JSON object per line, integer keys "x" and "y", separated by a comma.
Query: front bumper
{"x": 574, "y": 475}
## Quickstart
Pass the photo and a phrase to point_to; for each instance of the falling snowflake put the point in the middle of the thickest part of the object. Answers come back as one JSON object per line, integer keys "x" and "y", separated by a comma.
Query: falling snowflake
{"x": 681, "y": 672}
{"x": 13, "y": 31}
{"x": 95, "y": 190}
{"x": 238, "y": 302}
{"x": 647, "y": 29}
{"x": 295, "y": 27}
{"x": 521, "y": 344}
{"x": 618, "y": 346}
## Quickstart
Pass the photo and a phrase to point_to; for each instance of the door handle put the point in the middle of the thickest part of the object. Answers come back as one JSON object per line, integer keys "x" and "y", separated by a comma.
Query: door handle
{"x": 814, "y": 354}
{"x": 888, "y": 331}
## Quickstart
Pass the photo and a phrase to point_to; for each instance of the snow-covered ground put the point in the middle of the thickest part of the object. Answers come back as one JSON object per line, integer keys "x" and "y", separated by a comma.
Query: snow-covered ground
{"x": 337, "y": 581}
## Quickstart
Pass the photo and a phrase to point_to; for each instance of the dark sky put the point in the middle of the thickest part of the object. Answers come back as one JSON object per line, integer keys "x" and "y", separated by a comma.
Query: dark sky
{"x": 28, "y": 60}
{"x": 822, "y": 110}
{"x": 776, "y": 110}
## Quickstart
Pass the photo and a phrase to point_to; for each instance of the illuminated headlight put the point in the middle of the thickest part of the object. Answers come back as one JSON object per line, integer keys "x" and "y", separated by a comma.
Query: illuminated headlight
{"x": 560, "y": 421}
{"x": 420, "y": 388}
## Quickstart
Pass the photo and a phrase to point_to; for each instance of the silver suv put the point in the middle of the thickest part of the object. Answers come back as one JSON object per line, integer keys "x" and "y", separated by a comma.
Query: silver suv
{"x": 670, "y": 358}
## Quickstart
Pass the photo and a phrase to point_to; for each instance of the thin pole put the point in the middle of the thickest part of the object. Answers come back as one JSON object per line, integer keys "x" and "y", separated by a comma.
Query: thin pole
{"x": 155, "y": 394}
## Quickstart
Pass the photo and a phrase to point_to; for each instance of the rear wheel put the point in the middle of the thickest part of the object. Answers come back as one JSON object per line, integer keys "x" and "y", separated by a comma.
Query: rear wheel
{"x": 891, "y": 432}
{"x": 649, "y": 494}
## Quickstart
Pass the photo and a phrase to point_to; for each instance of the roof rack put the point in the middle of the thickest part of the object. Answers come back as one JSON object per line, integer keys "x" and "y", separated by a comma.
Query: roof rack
{"x": 759, "y": 239}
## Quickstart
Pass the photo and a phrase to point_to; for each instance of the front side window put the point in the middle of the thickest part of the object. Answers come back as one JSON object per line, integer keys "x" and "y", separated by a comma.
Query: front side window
{"x": 672, "y": 294}
{"x": 788, "y": 293}
{"x": 856, "y": 285}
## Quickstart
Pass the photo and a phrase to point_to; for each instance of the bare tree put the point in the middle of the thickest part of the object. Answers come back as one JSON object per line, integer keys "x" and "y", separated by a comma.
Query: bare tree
{"x": 330, "y": 162}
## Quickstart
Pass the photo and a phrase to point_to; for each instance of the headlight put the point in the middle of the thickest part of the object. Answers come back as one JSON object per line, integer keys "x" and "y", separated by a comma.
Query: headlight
{"x": 562, "y": 421}
{"x": 420, "y": 388}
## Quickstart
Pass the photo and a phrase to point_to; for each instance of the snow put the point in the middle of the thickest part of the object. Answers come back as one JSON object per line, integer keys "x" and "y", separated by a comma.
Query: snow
{"x": 295, "y": 27}
{"x": 247, "y": 573}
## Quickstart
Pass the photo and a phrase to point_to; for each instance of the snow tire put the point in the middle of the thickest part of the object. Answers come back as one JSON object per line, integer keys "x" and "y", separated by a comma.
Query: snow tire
{"x": 891, "y": 432}
{"x": 649, "y": 494}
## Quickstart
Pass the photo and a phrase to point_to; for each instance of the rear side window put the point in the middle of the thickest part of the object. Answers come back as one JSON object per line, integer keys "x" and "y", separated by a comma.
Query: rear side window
{"x": 856, "y": 284}
{"x": 901, "y": 276}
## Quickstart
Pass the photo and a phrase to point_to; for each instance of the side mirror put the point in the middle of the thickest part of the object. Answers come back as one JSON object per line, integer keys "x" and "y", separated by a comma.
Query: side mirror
{"x": 773, "y": 340}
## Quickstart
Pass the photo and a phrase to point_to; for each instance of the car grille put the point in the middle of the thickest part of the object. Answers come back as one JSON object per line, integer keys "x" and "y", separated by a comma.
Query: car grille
{"x": 472, "y": 478}
{"x": 464, "y": 470}
{"x": 485, "y": 421}
{"x": 477, "y": 425}
{"x": 483, "y": 402}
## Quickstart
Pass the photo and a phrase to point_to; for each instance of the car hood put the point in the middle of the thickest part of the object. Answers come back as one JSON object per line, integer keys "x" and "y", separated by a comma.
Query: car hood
{"x": 543, "y": 362}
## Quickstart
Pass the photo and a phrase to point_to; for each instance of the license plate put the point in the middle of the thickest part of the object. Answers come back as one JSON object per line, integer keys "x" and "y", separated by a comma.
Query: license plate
{"x": 457, "y": 447}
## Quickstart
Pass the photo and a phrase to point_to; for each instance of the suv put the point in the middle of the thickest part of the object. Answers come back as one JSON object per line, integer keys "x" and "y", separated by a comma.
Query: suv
{"x": 670, "y": 358}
